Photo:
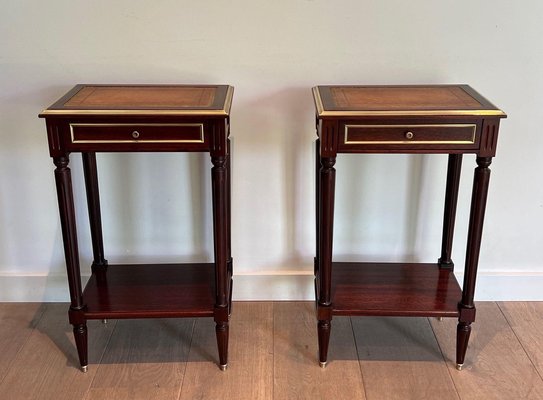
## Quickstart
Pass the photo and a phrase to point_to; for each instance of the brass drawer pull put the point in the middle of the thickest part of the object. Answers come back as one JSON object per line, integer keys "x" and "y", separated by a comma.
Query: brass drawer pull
{"x": 409, "y": 135}
{"x": 135, "y": 134}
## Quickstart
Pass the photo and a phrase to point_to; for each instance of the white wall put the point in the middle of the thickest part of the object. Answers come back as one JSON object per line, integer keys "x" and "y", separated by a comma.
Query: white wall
{"x": 156, "y": 207}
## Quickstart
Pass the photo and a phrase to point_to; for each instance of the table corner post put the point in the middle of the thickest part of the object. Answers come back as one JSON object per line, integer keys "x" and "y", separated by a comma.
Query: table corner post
{"x": 477, "y": 213}
{"x": 220, "y": 191}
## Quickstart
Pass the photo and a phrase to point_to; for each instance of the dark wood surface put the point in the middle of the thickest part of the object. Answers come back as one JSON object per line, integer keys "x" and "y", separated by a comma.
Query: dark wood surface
{"x": 454, "y": 168}
{"x": 394, "y": 289}
{"x": 140, "y": 118}
{"x": 448, "y": 119}
{"x": 100, "y": 133}
{"x": 151, "y": 290}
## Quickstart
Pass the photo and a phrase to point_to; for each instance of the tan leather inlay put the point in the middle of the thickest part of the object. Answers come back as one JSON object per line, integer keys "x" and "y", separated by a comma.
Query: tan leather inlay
{"x": 112, "y": 97}
{"x": 402, "y": 98}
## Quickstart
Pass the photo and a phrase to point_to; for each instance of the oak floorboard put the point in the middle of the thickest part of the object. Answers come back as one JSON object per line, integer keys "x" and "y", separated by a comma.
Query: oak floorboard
{"x": 17, "y": 321}
{"x": 47, "y": 366}
{"x": 145, "y": 359}
{"x": 400, "y": 359}
{"x": 250, "y": 361}
{"x": 526, "y": 320}
{"x": 296, "y": 368}
{"x": 496, "y": 365}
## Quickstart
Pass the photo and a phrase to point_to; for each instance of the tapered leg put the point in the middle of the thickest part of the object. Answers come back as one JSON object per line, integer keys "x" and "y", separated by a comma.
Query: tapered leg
{"x": 222, "y": 332}
{"x": 463, "y": 331}
{"x": 324, "y": 328}
{"x": 317, "y": 197}
{"x": 451, "y": 199}
{"x": 221, "y": 312}
{"x": 93, "y": 202}
{"x": 475, "y": 231}
{"x": 80, "y": 335}
{"x": 229, "y": 208}
{"x": 69, "y": 236}
{"x": 326, "y": 229}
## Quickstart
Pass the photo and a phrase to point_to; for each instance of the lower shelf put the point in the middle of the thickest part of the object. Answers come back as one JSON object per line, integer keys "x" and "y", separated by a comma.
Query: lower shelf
{"x": 151, "y": 291}
{"x": 394, "y": 289}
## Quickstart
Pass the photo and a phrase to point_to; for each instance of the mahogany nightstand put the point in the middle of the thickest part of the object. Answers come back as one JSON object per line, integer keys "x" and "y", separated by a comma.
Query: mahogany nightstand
{"x": 449, "y": 119}
{"x": 143, "y": 118}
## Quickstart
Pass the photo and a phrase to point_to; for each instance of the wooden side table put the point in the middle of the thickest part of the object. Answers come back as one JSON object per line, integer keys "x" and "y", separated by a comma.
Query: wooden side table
{"x": 450, "y": 119}
{"x": 143, "y": 118}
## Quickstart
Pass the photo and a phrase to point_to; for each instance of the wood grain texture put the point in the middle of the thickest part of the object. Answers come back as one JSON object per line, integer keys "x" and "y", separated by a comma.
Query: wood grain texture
{"x": 400, "y": 359}
{"x": 394, "y": 289}
{"x": 526, "y": 320}
{"x": 296, "y": 369}
{"x": 250, "y": 361}
{"x": 145, "y": 359}
{"x": 273, "y": 356}
{"x": 151, "y": 290}
{"x": 17, "y": 320}
{"x": 47, "y": 367}
{"x": 496, "y": 365}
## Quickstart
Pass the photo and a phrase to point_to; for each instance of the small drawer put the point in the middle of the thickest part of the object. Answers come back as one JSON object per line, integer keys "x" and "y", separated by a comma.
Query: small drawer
{"x": 438, "y": 134}
{"x": 89, "y": 133}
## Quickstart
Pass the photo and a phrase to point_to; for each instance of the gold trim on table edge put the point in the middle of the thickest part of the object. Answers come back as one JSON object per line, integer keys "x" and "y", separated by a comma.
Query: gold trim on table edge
{"x": 225, "y": 111}
{"x": 410, "y": 141}
{"x": 228, "y": 100}
{"x": 321, "y": 112}
{"x": 201, "y": 140}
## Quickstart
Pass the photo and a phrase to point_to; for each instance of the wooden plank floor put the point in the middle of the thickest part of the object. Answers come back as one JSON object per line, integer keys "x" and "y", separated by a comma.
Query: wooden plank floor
{"x": 273, "y": 355}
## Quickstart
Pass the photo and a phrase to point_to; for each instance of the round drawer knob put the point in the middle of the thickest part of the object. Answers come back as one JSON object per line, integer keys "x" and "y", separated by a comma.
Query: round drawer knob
{"x": 135, "y": 134}
{"x": 409, "y": 135}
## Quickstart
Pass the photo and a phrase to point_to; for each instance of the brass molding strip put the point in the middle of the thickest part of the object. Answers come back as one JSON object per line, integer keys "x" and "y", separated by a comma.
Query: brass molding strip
{"x": 228, "y": 100}
{"x": 200, "y": 140}
{"x": 137, "y": 112}
{"x": 410, "y": 113}
{"x": 472, "y": 141}
{"x": 318, "y": 101}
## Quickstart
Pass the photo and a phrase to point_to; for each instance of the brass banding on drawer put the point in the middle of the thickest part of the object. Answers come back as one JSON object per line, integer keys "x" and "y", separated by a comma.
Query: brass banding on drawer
{"x": 132, "y": 133}
{"x": 410, "y": 134}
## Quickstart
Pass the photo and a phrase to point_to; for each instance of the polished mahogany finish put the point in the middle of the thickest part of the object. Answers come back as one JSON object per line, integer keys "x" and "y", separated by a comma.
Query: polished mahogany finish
{"x": 144, "y": 290}
{"x": 395, "y": 289}
{"x": 143, "y": 118}
{"x": 448, "y": 119}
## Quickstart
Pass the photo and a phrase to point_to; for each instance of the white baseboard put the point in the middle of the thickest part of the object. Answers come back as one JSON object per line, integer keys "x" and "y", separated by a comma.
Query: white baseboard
{"x": 292, "y": 286}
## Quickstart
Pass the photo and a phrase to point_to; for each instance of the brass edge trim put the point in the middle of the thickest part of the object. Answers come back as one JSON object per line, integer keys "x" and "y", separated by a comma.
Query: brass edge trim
{"x": 410, "y": 113}
{"x": 135, "y": 112}
{"x": 228, "y": 100}
{"x": 318, "y": 100}
{"x": 201, "y": 140}
{"x": 472, "y": 141}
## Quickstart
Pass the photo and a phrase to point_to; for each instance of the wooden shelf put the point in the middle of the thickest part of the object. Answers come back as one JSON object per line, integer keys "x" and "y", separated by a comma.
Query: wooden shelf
{"x": 394, "y": 289}
{"x": 151, "y": 291}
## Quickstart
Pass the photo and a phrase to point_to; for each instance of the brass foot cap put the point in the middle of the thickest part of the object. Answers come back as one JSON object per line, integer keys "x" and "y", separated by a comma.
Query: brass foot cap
{"x": 440, "y": 319}
{"x": 84, "y": 368}
{"x": 223, "y": 367}
{"x": 322, "y": 364}
{"x": 459, "y": 367}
